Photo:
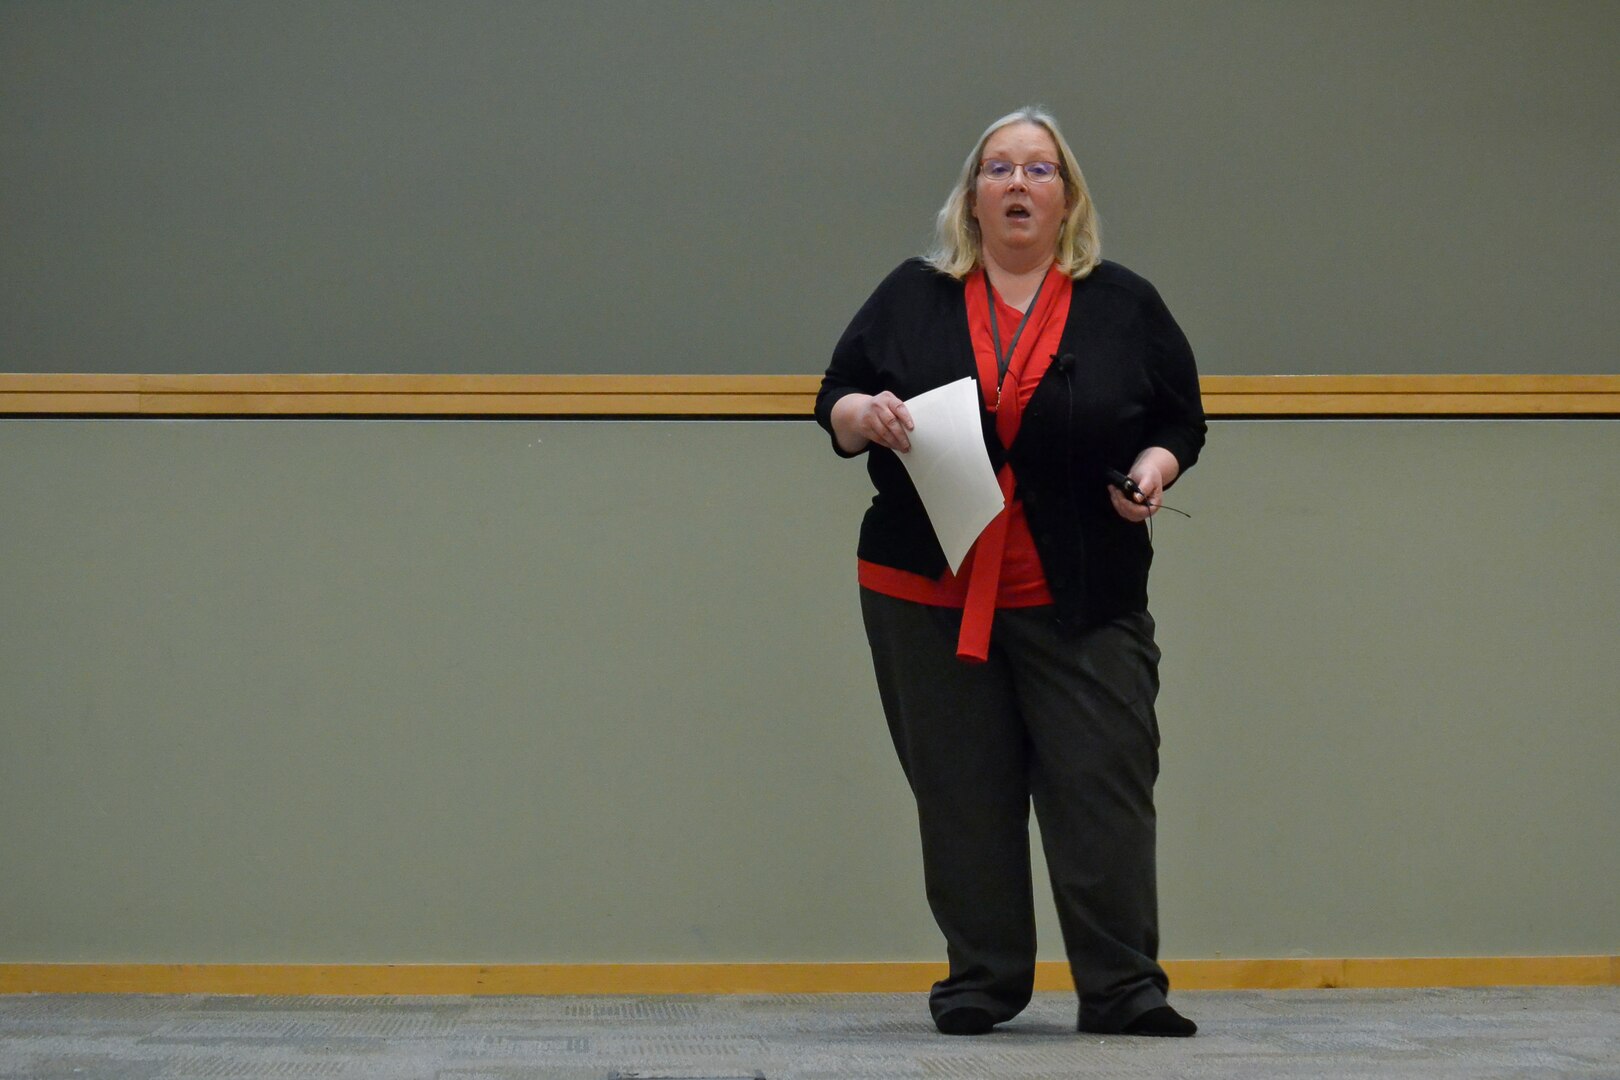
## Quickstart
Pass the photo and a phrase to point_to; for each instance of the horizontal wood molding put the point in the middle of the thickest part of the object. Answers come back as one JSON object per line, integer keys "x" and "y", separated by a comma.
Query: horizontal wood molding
{"x": 1227, "y": 396}
{"x": 441, "y": 979}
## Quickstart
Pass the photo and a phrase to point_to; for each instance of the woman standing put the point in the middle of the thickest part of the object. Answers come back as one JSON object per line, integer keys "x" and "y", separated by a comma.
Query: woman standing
{"x": 1031, "y": 674}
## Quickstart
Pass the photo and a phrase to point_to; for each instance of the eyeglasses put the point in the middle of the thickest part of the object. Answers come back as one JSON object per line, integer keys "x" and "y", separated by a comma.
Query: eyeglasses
{"x": 1036, "y": 172}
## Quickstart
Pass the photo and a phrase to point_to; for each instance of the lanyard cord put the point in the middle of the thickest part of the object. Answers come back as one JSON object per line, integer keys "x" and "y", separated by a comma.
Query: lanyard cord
{"x": 1005, "y": 362}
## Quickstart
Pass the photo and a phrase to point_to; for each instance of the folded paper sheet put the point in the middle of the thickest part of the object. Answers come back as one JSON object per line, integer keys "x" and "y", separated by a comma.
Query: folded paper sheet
{"x": 950, "y": 468}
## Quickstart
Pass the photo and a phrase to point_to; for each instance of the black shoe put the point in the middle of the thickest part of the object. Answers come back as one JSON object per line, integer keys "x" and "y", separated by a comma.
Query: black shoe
{"x": 1162, "y": 1021}
{"x": 964, "y": 1020}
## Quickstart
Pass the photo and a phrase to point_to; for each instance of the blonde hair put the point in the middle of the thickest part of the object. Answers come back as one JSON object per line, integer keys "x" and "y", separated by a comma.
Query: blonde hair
{"x": 957, "y": 249}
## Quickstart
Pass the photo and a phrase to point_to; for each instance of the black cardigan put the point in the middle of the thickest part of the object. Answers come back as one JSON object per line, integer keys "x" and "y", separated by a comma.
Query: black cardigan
{"x": 1131, "y": 384}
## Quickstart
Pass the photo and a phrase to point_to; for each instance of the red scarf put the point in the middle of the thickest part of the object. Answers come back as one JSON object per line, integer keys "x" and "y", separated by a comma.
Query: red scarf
{"x": 1029, "y": 363}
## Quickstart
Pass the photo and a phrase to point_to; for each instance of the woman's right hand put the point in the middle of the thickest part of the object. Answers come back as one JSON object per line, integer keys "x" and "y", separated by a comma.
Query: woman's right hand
{"x": 859, "y": 419}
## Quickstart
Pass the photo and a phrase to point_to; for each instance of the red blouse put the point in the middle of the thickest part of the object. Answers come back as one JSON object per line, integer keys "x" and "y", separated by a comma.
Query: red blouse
{"x": 1021, "y": 582}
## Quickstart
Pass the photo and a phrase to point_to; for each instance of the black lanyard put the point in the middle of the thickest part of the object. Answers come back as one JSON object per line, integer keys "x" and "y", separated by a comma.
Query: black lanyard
{"x": 1005, "y": 362}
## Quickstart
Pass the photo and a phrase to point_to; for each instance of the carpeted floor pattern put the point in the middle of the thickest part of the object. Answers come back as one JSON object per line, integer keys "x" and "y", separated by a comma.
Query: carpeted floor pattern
{"x": 1253, "y": 1035}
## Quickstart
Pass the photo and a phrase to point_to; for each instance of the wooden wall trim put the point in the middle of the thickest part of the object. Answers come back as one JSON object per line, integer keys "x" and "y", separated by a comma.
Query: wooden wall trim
{"x": 740, "y": 396}
{"x": 440, "y": 979}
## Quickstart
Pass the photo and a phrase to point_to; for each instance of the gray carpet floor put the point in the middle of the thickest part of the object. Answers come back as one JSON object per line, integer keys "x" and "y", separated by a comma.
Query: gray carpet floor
{"x": 1253, "y": 1035}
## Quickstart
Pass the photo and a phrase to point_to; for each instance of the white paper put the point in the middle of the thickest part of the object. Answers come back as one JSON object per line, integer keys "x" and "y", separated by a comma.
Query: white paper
{"x": 950, "y": 467}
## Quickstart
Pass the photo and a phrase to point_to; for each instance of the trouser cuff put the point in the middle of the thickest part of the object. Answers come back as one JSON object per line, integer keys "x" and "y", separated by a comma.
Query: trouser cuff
{"x": 1114, "y": 1013}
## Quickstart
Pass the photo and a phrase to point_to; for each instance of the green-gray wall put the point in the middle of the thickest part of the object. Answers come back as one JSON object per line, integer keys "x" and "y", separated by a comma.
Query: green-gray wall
{"x": 346, "y": 691}
{"x": 413, "y": 186}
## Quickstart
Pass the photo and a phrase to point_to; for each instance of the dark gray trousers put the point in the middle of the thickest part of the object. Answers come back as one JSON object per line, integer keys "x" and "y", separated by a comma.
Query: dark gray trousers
{"x": 1065, "y": 721}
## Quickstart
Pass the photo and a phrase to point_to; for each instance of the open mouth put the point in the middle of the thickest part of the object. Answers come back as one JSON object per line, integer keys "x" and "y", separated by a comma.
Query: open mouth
{"x": 1018, "y": 212}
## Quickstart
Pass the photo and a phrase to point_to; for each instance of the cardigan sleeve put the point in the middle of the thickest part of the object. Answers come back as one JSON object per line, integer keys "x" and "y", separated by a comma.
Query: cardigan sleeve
{"x": 852, "y": 370}
{"x": 1175, "y": 419}
{"x": 849, "y": 373}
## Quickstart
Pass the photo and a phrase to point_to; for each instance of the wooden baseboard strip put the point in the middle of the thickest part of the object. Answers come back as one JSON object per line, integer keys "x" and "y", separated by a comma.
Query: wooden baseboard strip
{"x": 745, "y": 396}
{"x": 552, "y": 979}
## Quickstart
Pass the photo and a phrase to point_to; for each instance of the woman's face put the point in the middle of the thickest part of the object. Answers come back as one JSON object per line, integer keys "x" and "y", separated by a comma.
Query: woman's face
{"x": 1015, "y": 216}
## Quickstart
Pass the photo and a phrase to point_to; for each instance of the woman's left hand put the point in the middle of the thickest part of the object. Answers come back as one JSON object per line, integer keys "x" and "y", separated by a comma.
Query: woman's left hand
{"x": 1154, "y": 470}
